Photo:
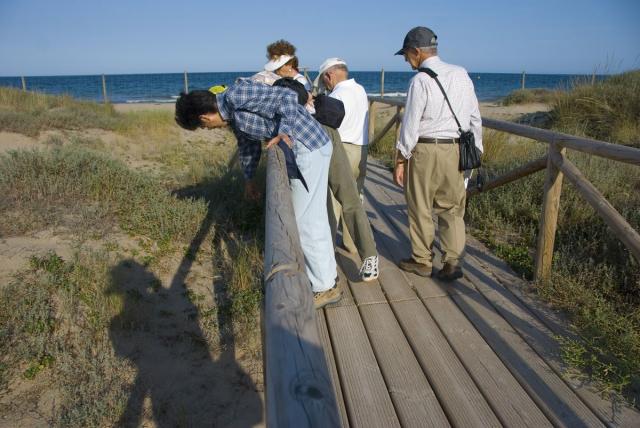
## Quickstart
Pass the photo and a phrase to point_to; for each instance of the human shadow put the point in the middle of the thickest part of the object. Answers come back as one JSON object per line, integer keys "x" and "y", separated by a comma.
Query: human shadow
{"x": 159, "y": 332}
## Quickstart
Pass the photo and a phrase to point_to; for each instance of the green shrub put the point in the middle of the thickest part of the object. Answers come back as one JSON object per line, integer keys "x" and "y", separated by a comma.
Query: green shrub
{"x": 608, "y": 110}
{"x": 526, "y": 96}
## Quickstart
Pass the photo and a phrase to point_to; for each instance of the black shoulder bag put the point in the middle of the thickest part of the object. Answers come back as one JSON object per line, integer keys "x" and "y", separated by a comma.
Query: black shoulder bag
{"x": 469, "y": 153}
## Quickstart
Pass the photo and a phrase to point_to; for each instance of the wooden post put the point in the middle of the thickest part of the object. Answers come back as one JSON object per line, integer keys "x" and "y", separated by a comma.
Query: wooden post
{"x": 398, "y": 121}
{"x": 104, "y": 90}
{"x": 306, "y": 75}
{"x": 372, "y": 120}
{"x": 382, "y": 83}
{"x": 549, "y": 217}
{"x": 523, "y": 78}
{"x": 186, "y": 82}
{"x": 298, "y": 388}
{"x": 24, "y": 84}
{"x": 593, "y": 78}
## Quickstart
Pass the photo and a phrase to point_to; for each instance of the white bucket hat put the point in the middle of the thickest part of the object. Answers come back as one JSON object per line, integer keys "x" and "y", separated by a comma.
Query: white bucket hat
{"x": 278, "y": 62}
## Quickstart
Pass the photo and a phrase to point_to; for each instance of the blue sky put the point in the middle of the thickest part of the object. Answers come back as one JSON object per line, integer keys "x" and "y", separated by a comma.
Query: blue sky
{"x": 141, "y": 36}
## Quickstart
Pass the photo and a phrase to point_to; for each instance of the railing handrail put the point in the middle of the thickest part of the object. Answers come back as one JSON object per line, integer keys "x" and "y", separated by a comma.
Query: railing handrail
{"x": 298, "y": 385}
{"x": 557, "y": 165}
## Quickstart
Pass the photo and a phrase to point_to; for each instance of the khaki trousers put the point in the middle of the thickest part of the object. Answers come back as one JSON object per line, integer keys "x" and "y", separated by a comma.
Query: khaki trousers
{"x": 357, "y": 157}
{"x": 433, "y": 185}
{"x": 344, "y": 194}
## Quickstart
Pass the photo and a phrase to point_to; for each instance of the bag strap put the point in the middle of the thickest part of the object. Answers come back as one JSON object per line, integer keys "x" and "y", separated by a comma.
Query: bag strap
{"x": 434, "y": 75}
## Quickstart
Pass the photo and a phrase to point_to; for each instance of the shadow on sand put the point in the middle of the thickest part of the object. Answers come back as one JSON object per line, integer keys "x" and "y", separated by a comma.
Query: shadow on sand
{"x": 178, "y": 381}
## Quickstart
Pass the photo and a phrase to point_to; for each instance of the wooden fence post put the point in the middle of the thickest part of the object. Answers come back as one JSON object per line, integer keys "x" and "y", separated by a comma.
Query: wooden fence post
{"x": 382, "y": 83}
{"x": 186, "y": 82}
{"x": 306, "y": 75}
{"x": 398, "y": 121}
{"x": 104, "y": 90}
{"x": 372, "y": 120}
{"x": 24, "y": 84}
{"x": 523, "y": 78}
{"x": 549, "y": 217}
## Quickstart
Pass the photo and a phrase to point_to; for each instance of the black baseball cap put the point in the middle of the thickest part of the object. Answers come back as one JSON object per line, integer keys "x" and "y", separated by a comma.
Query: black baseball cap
{"x": 419, "y": 37}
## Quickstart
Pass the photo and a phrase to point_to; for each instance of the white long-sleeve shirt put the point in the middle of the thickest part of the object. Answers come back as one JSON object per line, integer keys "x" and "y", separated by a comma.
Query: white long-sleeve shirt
{"x": 427, "y": 114}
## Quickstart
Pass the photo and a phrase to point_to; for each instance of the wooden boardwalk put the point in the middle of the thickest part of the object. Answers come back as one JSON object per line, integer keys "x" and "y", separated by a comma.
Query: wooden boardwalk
{"x": 410, "y": 351}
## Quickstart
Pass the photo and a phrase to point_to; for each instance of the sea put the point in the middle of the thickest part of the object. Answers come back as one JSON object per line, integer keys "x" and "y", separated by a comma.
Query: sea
{"x": 165, "y": 87}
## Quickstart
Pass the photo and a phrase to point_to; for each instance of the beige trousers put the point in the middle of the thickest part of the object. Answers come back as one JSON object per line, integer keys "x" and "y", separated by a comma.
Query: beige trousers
{"x": 357, "y": 157}
{"x": 433, "y": 185}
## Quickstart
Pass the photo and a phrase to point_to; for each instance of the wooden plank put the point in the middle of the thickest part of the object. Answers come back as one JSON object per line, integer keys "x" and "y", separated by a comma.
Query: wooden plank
{"x": 519, "y": 303}
{"x": 321, "y": 321}
{"x": 548, "y": 218}
{"x": 457, "y": 297}
{"x": 459, "y": 396}
{"x": 365, "y": 392}
{"x": 298, "y": 384}
{"x": 347, "y": 297}
{"x": 559, "y": 403}
{"x": 612, "y": 413}
{"x": 508, "y": 399}
{"x": 620, "y": 227}
{"x": 513, "y": 175}
{"x": 414, "y": 400}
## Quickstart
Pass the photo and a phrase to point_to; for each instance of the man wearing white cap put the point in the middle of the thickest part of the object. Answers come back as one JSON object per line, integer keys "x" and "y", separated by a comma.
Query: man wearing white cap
{"x": 334, "y": 75}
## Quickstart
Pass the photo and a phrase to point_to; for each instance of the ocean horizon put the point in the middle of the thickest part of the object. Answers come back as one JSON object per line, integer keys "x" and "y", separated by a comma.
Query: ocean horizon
{"x": 166, "y": 87}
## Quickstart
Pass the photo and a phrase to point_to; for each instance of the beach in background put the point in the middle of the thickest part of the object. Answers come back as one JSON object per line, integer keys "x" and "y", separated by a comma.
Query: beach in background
{"x": 165, "y": 87}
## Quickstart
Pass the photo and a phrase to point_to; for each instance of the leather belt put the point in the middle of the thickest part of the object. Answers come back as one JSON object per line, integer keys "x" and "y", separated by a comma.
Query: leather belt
{"x": 438, "y": 140}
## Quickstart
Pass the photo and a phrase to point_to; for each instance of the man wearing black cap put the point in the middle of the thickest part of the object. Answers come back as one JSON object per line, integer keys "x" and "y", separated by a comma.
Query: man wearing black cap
{"x": 428, "y": 154}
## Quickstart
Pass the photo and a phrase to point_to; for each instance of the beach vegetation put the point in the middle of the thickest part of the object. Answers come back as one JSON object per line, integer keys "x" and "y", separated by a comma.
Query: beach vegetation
{"x": 129, "y": 228}
{"x": 526, "y": 96}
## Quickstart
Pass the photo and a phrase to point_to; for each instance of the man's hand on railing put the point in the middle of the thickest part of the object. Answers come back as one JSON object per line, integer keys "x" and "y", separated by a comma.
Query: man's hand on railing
{"x": 284, "y": 137}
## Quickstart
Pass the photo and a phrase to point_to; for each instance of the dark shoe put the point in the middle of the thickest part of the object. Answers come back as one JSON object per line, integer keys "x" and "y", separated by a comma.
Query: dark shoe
{"x": 410, "y": 265}
{"x": 449, "y": 272}
{"x": 323, "y": 298}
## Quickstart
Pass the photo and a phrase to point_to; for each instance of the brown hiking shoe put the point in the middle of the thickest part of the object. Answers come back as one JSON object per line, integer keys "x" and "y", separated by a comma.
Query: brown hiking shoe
{"x": 323, "y": 298}
{"x": 410, "y": 265}
{"x": 449, "y": 272}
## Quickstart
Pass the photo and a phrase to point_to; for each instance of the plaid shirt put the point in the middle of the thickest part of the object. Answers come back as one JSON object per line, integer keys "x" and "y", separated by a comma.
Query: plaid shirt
{"x": 258, "y": 112}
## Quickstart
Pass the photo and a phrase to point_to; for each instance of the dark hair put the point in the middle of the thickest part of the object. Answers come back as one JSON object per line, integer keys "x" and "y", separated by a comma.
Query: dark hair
{"x": 190, "y": 106}
{"x": 297, "y": 87}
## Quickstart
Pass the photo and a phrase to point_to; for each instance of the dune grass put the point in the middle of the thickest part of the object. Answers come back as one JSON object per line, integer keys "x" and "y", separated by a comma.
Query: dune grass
{"x": 55, "y": 316}
{"x": 608, "y": 110}
{"x": 29, "y": 113}
{"x": 537, "y": 95}
{"x": 41, "y": 188}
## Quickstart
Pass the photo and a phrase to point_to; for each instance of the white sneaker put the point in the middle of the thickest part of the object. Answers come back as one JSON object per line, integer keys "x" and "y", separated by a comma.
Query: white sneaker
{"x": 369, "y": 269}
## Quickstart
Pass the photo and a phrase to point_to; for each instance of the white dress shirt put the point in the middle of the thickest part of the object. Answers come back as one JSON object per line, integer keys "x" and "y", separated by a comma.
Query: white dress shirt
{"x": 427, "y": 114}
{"x": 355, "y": 125}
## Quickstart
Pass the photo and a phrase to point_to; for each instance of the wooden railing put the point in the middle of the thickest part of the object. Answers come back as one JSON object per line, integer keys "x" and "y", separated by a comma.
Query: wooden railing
{"x": 297, "y": 382}
{"x": 557, "y": 165}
